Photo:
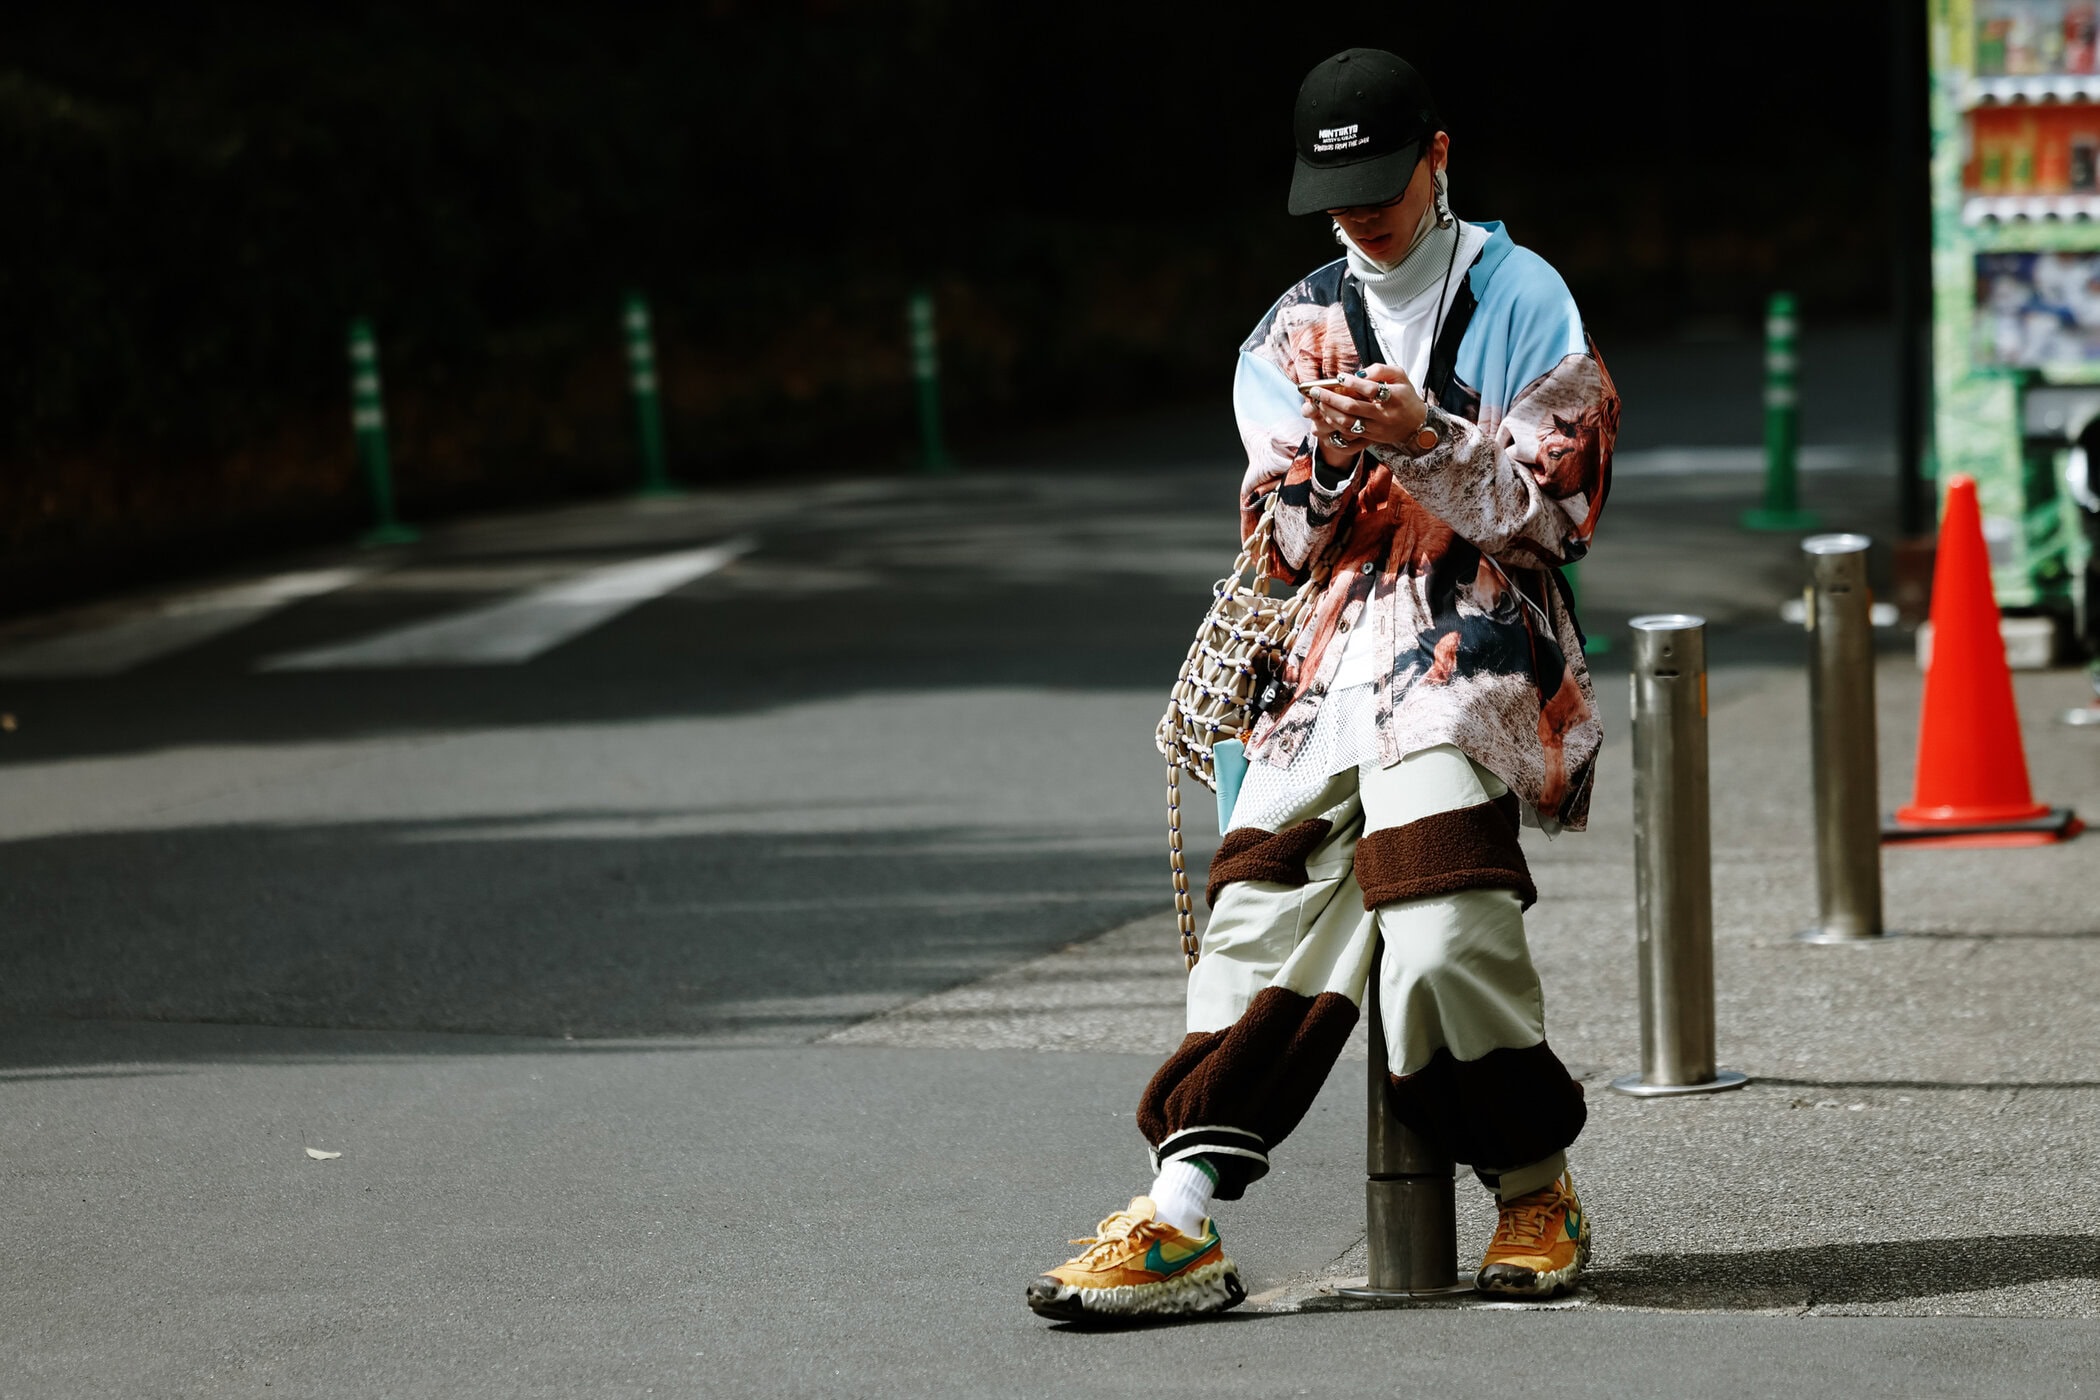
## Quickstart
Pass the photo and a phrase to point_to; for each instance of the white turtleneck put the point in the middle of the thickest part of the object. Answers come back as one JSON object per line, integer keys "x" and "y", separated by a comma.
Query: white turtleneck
{"x": 1407, "y": 302}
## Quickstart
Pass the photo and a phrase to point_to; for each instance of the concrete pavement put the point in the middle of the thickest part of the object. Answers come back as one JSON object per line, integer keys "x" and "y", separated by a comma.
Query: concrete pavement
{"x": 678, "y": 999}
{"x": 1914, "y": 1105}
{"x": 524, "y": 1219}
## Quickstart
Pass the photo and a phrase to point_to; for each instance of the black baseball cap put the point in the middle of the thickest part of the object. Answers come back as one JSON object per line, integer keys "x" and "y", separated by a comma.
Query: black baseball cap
{"x": 1362, "y": 121}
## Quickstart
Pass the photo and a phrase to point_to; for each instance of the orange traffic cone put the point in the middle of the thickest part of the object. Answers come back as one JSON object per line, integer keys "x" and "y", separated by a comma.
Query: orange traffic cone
{"x": 1971, "y": 787}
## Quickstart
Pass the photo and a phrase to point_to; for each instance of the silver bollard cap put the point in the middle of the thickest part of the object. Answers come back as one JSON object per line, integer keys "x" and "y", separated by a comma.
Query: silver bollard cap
{"x": 1835, "y": 564}
{"x": 1667, "y": 622}
{"x": 1669, "y": 644}
{"x": 1836, "y": 544}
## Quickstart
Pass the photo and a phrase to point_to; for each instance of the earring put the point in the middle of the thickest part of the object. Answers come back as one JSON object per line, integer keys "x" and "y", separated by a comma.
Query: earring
{"x": 1443, "y": 202}
{"x": 1338, "y": 236}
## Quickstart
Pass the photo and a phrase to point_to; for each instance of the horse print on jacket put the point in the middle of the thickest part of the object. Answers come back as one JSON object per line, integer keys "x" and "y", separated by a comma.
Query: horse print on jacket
{"x": 1572, "y": 455}
{"x": 1482, "y": 645}
{"x": 1446, "y": 555}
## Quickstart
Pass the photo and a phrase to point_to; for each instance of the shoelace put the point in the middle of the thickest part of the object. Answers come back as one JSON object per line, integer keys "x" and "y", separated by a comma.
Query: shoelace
{"x": 1108, "y": 1236}
{"x": 1528, "y": 1224}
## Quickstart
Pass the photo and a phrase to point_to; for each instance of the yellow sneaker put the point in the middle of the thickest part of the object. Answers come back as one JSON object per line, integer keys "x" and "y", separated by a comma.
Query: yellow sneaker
{"x": 1541, "y": 1243}
{"x": 1136, "y": 1265}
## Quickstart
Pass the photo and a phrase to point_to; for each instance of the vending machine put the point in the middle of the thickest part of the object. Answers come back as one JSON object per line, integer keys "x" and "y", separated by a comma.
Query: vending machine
{"x": 2015, "y": 118}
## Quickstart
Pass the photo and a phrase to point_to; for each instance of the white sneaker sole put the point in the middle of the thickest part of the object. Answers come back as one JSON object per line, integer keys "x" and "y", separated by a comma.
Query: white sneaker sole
{"x": 1209, "y": 1289}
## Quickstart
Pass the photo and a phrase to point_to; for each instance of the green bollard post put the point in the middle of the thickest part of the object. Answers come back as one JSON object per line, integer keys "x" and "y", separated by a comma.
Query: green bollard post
{"x": 1597, "y": 644}
{"x": 926, "y": 370}
{"x": 368, "y": 422}
{"x": 648, "y": 406}
{"x": 1781, "y": 510}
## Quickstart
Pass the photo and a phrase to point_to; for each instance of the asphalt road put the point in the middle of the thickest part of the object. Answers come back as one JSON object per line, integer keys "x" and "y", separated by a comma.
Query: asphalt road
{"x": 551, "y": 951}
{"x": 901, "y": 741}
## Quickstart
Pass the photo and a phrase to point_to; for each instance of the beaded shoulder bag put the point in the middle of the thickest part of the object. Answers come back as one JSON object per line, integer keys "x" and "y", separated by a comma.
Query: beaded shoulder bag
{"x": 1234, "y": 672}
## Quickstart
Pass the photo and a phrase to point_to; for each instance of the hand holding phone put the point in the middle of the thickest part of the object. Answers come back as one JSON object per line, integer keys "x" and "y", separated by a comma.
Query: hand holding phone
{"x": 1375, "y": 406}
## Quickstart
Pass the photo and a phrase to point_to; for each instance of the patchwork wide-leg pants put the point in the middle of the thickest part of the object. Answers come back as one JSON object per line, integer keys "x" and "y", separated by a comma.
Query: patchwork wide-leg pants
{"x": 1424, "y": 856}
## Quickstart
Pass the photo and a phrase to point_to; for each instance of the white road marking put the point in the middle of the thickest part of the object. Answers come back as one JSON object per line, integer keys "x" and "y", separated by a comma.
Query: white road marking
{"x": 169, "y": 627}
{"x": 1699, "y": 461}
{"x": 518, "y": 629}
{"x": 935, "y": 902}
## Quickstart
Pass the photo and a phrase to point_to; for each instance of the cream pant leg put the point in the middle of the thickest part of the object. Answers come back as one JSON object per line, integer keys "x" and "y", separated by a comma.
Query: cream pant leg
{"x": 1424, "y": 856}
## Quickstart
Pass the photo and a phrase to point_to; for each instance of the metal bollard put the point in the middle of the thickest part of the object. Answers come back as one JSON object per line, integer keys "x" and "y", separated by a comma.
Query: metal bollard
{"x": 1673, "y": 861}
{"x": 368, "y": 425}
{"x": 1781, "y": 510}
{"x": 1841, "y": 728}
{"x": 648, "y": 400}
{"x": 926, "y": 371}
{"x": 1410, "y": 1205}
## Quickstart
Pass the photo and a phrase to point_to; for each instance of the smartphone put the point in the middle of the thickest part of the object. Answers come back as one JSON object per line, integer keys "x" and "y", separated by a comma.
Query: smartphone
{"x": 1322, "y": 383}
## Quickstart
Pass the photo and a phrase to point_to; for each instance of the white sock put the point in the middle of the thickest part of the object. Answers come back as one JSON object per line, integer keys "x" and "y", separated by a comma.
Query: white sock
{"x": 1182, "y": 1194}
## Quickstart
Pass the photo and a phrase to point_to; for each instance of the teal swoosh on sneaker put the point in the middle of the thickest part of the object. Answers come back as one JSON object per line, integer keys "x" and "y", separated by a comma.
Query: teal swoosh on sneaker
{"x": 1573, "y": 1224}
{"x": 1157, "y": 1261}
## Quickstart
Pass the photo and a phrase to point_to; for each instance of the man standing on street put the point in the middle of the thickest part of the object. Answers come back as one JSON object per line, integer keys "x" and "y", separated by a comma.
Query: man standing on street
{"x": 1436, "y": 701}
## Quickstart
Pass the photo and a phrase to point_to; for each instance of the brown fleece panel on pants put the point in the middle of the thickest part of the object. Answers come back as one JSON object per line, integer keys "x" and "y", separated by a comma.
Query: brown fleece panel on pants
{"x": 1249, "y": 853}
{"x": 1259, "y": 1074}
{"x": 1507, "y": 1109}
{"x": 1469, "y": 848}
{"x": 1511, "y": 809}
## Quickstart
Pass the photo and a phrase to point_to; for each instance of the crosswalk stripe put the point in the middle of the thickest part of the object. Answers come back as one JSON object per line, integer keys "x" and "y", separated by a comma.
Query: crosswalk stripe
{"x": 169, "y": 627}
{"x": 518, "y": 629}
{"x": 1696, "y": 461}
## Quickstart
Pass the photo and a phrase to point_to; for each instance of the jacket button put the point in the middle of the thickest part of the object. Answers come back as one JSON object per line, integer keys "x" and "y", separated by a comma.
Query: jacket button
{"x": 1341, "y": 626}
{"x": 1369, "y": 567}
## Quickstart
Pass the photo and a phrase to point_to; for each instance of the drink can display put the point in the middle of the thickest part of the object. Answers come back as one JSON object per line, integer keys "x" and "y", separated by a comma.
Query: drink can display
{"x": 2020, "y": 57}
{"x": 2015, "y": 264}
{"x": 2020, "y": 157}
{"x": 1990, "y": 161}
{"x": 2049, "y": 37}
{"x": 2081, "y": 32}
{"x": 1990, "y": 41}
{"x": 2083, "y": 177}
{"x": 2052, "y": 153}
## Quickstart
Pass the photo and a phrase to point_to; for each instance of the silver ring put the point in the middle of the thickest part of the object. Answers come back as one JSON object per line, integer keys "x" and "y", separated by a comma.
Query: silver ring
{"x": 1384, "y": 392}
{"x": 1356, "y": 429}
{"x": 1338, "y": 440}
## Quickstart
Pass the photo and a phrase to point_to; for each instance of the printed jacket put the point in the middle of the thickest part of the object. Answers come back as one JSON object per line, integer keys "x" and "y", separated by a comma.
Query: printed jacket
{"x": 1451, "y": 557}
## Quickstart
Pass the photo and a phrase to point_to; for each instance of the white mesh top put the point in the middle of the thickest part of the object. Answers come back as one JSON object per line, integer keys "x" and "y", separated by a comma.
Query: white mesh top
{"x": 1344, "y": 736}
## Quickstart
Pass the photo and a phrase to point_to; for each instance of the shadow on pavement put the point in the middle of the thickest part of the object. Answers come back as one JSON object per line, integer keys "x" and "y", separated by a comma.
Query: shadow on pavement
{"x": 764, "y": 937}
{"x": 1991, "y": 936}
{"x": 1874, "y": 1271}
{"x": 36, "y": 1050}
{"x": 1157, "y": 1324}
{"x": 1928, "y": 1084}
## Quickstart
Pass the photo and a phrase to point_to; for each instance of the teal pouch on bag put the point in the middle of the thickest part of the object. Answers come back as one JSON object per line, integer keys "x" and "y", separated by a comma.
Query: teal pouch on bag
{"x": 1228, "y": 760}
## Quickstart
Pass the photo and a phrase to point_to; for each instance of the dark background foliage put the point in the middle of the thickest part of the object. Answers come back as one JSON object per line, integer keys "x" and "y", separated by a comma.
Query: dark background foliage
{"x": 200, "y": 196}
